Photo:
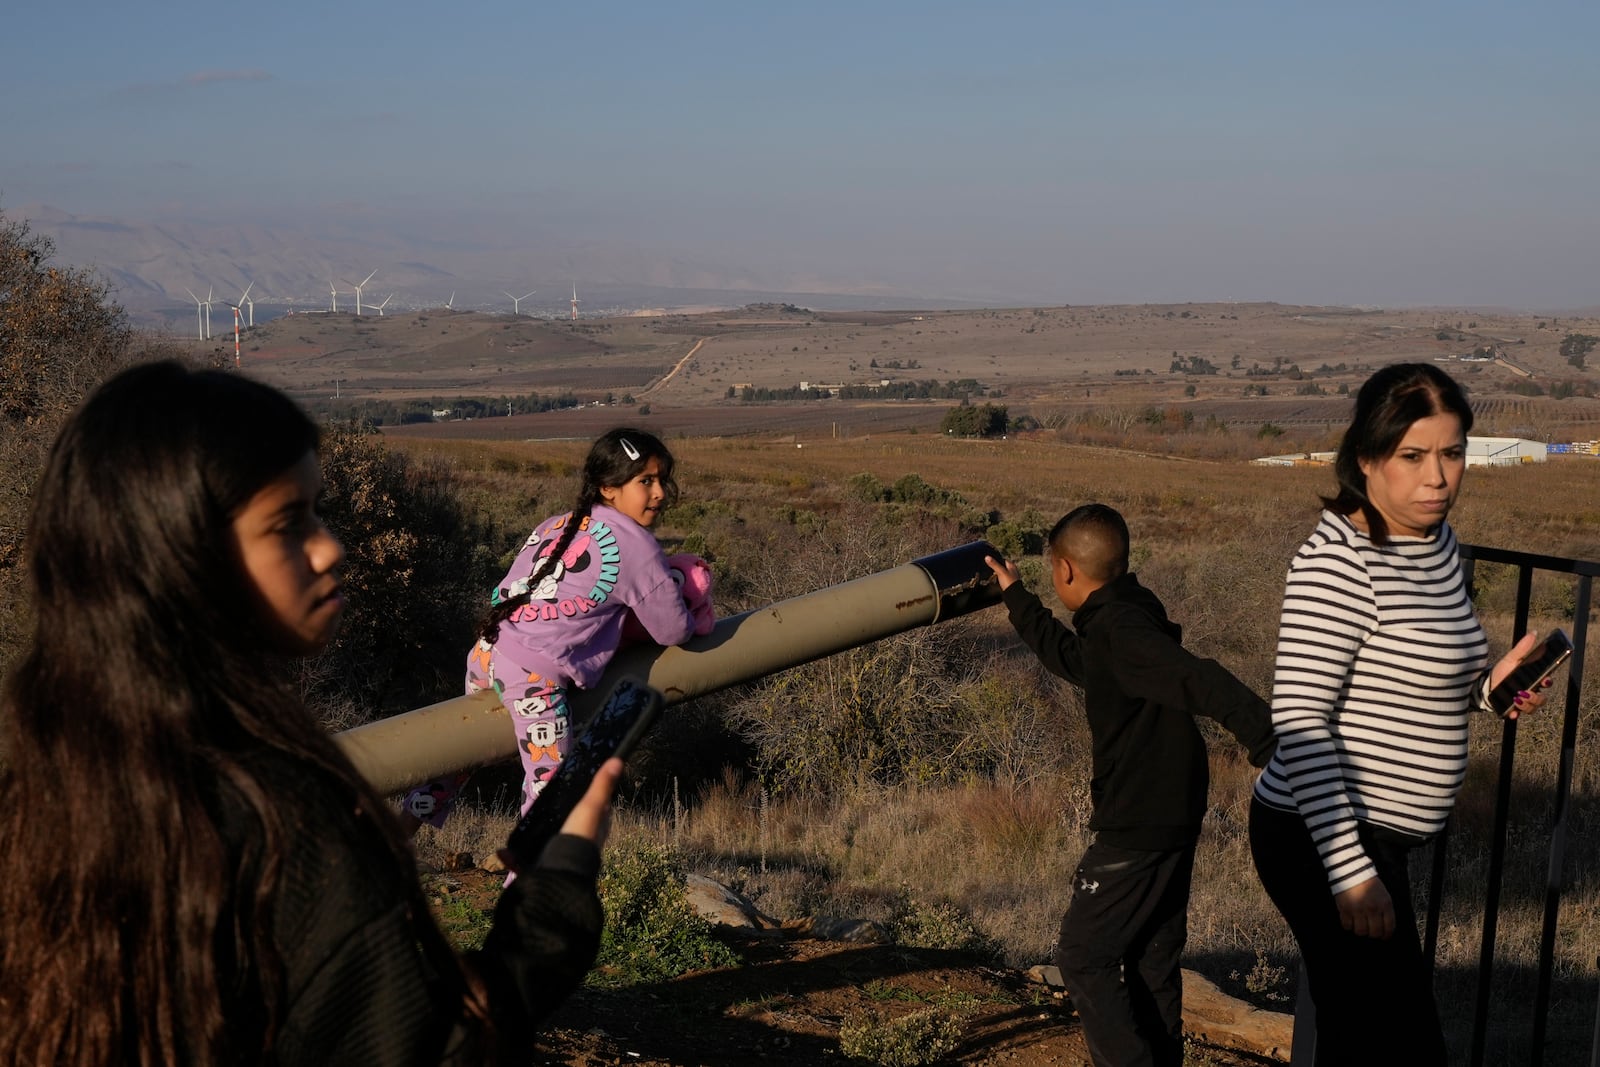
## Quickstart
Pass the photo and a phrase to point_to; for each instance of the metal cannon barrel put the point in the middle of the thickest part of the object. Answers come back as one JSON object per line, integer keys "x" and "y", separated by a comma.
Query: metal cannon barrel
{"x": 471, "y": 731}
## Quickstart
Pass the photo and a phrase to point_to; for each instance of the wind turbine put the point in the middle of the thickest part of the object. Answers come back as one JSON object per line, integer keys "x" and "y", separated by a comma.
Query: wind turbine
{"x": 574, "y": 301}
{"x": 449, "y": 305}
{"x": 245, "y": 301}
{"x": 357, "y": 288}
{"x": 199, "y": 323}
{"x": 235, "y": 308}
{"x": 335, "y": 293}
{"x": 210, "y": 292}
{"x": 516, "y": 302}
{"x": 383, "y": 305}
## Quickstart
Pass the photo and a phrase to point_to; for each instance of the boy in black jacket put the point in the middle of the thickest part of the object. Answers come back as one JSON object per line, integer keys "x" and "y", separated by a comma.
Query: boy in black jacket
{"x": 1125, "y": 929}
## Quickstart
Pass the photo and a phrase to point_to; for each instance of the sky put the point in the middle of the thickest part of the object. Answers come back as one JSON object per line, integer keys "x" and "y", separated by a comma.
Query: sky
{"x": 1402, "y": 153}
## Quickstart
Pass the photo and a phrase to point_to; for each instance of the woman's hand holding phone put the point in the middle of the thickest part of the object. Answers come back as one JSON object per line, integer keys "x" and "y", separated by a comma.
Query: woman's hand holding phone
{"x": 1518, "y": 681}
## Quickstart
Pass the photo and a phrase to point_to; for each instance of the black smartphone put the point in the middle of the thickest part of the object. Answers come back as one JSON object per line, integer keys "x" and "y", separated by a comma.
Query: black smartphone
{"x": 613, "y": 731}
{"x": 1549, "y": 654}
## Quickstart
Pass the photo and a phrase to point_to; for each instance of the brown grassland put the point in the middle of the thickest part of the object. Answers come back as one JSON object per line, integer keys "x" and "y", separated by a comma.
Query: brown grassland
{"x": 803, "y": 790}
{"x": 1213, "y": 539}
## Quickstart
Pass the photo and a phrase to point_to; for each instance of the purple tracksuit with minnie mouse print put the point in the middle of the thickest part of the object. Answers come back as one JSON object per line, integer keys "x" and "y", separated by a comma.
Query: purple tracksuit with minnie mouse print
{"x": 566, "y": 635}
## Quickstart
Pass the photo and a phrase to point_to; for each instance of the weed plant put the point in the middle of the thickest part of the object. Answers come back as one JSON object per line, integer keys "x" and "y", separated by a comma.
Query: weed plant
{"x": 652, "y": 932}
{"x": 924, "y": 1036}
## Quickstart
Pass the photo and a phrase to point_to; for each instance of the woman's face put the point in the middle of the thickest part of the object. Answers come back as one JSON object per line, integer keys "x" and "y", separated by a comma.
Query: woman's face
{"x": 291, "y": 559}
{"x": 1415, "y": 487}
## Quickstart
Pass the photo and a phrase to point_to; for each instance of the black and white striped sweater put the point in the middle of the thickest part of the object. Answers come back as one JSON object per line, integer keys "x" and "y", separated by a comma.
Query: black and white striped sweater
{"x": 1378, "y": 652}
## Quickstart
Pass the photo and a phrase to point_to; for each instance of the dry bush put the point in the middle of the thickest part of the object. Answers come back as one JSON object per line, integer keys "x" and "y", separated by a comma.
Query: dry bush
{"x": 415, "y": 574}
{"x": 476, "y": 829}
{"x": 61, "y": 334}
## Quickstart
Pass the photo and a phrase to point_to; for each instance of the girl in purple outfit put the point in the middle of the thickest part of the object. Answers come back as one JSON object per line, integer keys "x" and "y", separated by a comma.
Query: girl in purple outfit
{"x": 557, "y": 616}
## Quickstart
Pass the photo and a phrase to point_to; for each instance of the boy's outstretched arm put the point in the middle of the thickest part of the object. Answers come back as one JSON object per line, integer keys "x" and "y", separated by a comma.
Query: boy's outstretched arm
{"x": 1152, "y": 665}
{"x": 1058, "y": 648}
{"x": 1238, "y": 709}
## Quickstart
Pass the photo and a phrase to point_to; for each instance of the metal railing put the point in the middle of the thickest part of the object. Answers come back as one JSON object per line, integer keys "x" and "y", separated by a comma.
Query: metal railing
{"x": 1585, "y": 572}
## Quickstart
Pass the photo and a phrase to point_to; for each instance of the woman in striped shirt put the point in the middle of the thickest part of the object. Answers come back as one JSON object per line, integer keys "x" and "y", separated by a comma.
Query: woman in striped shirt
{"x": 1380, "y": 660}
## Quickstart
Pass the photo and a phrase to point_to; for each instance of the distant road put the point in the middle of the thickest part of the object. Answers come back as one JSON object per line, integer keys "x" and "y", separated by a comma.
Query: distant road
{"x": 676, "y": 367}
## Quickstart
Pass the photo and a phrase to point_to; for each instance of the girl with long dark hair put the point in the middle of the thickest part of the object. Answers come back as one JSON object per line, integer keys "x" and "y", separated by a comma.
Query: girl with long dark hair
{"x": 558, "y": 616}
{"x": 192, "y": 872}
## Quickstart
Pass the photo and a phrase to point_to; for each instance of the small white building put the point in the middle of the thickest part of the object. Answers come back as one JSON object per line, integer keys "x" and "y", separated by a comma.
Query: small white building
{"x": 1481, "y": 452}
{"x": 1297, "y": 459}
{"x": 1503, "y": 451}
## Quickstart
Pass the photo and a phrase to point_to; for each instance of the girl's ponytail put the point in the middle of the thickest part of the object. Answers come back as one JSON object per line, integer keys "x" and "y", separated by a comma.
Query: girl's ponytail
{"x": 489, "y": 632}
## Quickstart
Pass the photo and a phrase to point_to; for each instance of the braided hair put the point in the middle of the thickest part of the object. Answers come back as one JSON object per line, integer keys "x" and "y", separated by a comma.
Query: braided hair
{"x": 615, "y": 459}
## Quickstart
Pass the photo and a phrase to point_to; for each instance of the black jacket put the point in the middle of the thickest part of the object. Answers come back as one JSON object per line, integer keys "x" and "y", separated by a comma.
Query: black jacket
{"x": 1141, "y": 691}
{"x": 358, "y": 987}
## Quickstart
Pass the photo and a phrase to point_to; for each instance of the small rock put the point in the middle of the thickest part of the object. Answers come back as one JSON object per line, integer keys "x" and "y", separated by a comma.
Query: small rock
{"x": 853, "y": 931}
{"x": 718, "y": 904}
{"x": 1046, "y": 974}
{"x": 1213, "y": 1016}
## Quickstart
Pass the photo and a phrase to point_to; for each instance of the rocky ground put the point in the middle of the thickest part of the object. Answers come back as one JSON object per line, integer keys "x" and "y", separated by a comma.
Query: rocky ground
{"x": 786, "y": 1005}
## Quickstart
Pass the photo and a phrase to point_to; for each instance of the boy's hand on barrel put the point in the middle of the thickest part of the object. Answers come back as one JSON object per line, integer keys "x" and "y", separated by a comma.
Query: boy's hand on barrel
{"x": 1005, "y": 571}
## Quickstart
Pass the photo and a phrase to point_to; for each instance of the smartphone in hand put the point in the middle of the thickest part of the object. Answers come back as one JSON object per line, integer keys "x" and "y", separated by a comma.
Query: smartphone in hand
{"x": 613, "y": 731}
{"x": 1549, "y": 654}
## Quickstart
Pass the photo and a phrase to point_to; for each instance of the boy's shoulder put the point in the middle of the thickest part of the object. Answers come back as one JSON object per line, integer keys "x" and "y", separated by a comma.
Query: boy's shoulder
{"x": 1125, "y": 603}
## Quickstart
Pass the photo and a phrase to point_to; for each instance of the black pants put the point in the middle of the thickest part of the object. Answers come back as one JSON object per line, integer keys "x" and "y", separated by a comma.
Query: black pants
{"x": 1120, "y": 942}
{"x": 1374, "y": 999}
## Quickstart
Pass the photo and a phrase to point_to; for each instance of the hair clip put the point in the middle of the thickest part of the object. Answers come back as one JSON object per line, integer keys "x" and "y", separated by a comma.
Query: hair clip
{"x": 627, "y": 446}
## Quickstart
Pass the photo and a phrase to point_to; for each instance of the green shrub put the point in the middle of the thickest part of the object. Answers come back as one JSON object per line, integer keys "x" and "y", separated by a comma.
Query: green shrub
{"x": 984, "y": 420}
{"x": 865, "y": 487}
{"x": 1007, "y": 537}
{"x": 939, "y": 925}
{"x": 922, "y": 1037}
{"x": 652, "y": 932}
{"x": 914, "y": 489}
{"x": 1016, "y": 539}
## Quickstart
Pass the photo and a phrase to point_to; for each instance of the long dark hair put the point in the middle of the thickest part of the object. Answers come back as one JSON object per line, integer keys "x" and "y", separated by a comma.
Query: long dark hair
{"x": 615, "y": 459}
{"x": 132, "y": 928}
{"x": 1388, "y": 403}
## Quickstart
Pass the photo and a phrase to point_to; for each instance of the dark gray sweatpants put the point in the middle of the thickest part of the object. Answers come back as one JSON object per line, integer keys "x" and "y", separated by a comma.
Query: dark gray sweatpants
{"x": 1119, "y": 949}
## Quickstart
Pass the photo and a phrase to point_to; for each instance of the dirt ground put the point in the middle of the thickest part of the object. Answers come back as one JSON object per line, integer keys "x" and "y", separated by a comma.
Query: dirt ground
{"x": 784, "y": 1008}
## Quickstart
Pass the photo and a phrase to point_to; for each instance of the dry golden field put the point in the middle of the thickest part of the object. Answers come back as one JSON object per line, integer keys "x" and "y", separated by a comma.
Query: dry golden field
{"x": 1212, "y": 538}
{"x": 789, "y": 497}
{"x": 1054, "y": 364}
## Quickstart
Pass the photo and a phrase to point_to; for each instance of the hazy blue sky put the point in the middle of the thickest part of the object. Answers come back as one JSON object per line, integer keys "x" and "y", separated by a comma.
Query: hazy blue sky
{"x": 1393, "y": 153}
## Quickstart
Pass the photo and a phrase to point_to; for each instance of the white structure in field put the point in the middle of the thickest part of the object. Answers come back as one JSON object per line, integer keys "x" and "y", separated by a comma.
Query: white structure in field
{"x": 1481, "y": 452}
{"x": 1503, "y": 451}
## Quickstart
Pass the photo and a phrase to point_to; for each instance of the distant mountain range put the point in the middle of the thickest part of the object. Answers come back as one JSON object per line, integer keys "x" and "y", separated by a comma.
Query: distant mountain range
{"x": 150, "y": 265}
